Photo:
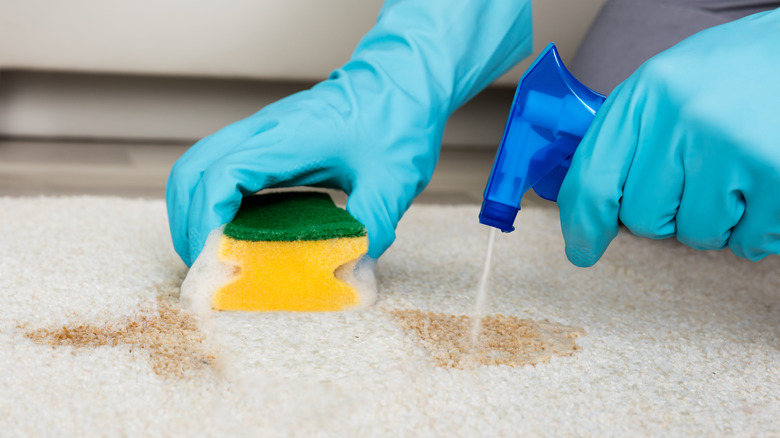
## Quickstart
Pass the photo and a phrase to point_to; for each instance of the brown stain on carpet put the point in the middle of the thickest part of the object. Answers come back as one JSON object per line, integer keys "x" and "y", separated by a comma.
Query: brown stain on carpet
{"x": 168, "y": 335}
{"x": 504, "y": 340}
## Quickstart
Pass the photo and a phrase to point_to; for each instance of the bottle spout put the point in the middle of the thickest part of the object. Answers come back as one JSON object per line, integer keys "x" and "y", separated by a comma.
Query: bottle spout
{"x": 498, "y": 215}
{"x": 550, "y": 114}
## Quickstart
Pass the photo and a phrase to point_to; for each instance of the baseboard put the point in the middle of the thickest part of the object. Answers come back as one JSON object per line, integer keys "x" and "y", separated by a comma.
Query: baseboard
{"x": 159, "y": 109}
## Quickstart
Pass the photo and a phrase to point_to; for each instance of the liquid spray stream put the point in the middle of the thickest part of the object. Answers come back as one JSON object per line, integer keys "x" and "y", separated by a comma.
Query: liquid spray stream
{"x": 479, "y": 306}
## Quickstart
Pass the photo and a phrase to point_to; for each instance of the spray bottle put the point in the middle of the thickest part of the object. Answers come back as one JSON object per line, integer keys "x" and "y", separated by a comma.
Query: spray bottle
{"x": 550, "y": 114}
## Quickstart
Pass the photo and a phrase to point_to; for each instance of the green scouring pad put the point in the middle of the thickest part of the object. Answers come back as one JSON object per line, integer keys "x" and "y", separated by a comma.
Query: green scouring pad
{"x": 290, "y": 216}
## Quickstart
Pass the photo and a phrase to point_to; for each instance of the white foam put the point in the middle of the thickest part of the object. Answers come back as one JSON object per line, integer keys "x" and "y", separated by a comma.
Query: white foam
{"x": 207, "y": 274}
{"x": 360, "y": 275}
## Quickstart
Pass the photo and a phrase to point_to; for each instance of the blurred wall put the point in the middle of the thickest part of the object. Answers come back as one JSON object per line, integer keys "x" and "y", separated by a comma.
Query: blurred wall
{"x": 180, "y": 69}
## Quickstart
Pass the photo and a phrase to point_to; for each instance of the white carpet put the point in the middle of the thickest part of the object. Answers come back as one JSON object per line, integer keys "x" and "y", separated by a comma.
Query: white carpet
{"x": 677, "y": 342}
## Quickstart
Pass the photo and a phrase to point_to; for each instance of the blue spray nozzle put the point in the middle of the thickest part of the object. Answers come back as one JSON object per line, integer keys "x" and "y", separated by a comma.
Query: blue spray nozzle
{"x": 550, "y": 114}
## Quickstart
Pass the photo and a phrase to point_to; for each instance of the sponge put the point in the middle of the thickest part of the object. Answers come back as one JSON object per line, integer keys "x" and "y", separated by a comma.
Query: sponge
{"x": 292, "y": 251}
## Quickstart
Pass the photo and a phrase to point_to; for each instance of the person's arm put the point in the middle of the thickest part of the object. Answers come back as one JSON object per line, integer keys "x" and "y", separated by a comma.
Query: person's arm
{"x": 373, "y": 129}
{"x": 688, "y": 146}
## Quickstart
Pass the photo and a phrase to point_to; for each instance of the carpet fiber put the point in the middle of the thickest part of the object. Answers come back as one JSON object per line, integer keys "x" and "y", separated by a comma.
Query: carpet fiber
{"x": 93, "y": 340}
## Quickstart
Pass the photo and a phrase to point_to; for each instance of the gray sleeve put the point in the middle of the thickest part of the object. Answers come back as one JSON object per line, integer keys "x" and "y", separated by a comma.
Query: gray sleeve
{"x": 626, "y": 33}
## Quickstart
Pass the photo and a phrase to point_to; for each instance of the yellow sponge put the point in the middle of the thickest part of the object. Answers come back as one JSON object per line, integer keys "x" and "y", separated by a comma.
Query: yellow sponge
{"x": 287, "y": 250}
{"x": 296, "y": 275}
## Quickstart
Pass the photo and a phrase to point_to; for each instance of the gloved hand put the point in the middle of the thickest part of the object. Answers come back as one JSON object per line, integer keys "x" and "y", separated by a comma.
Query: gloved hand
{"x": 373, "y": 129}
{"x": 688, "y": 146}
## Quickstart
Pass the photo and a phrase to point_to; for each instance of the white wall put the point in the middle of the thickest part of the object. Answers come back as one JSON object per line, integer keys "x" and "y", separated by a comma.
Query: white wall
{"x": 283, "y": 39}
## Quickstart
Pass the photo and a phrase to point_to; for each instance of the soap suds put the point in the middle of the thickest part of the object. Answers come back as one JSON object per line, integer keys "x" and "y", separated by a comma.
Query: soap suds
{"x": 207, "y": 275}
{"x": 503, "y": 340}
{"x": 170, "y": 337}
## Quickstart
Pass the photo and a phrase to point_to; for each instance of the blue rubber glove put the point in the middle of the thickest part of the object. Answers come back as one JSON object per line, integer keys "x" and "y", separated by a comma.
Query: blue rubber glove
{"x": 688, "y": 146}
{"x": 373, "y": 129}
